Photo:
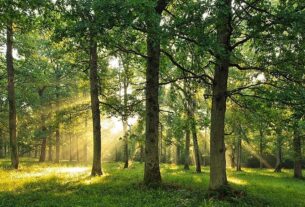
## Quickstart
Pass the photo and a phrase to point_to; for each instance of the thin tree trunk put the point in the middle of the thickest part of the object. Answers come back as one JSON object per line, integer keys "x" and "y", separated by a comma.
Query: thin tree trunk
{"x": 57, "y": 134}
{"x": 187, "y": 149}
{"x": 297, "y": 153}
{"x": 1, "y": 144}
{"x": 232, "y": 156}
{"x": 70, "y": 147}
{"x": 195, "y": 143}
{"x": 239, "y": 149}
{"x": 94, "y": 93}
{"x": 218, "y": 176}
{"x": 126, "y": 157}
{"x": 50, "y": 157}
{"x": 86, "y": 143}
{"x": 43, "y": 148}
{"x": 178, "y": 152}
{"x": 141, "y": 153}
{"x": 77, "y": 149}
{"x": 278, "y": 166}
{"x": 261, "y": 165}
{"x": 125, "y": 118}
{"x": 11, "y": 96}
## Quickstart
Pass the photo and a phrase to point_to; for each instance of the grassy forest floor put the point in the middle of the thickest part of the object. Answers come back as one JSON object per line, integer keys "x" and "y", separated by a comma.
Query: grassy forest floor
{"x": 69, "y": 184}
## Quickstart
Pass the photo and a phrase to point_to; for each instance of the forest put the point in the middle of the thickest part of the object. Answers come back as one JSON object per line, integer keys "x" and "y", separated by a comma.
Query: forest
{"x": 152, "y": 103}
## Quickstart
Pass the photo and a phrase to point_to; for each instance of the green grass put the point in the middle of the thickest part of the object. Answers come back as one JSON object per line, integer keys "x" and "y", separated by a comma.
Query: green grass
{"x": 69, "y": 184}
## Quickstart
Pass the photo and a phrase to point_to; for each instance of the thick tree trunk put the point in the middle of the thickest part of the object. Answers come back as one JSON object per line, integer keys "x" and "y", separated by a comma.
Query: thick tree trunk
{"x": 57, "y": 134}
{"x": 297, "y": 154}
{"x": 239, "y": 150}
{"x": 11, "y": 96}
{"x": 218, "y": 176}
{"x": 187, "y": 149}
{"x": 152, "y": 175}
{"x": 94, "y": 93}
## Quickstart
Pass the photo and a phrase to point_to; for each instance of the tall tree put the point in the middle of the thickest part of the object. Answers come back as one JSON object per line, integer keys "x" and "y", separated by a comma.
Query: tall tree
{"x": 152, "y": 170}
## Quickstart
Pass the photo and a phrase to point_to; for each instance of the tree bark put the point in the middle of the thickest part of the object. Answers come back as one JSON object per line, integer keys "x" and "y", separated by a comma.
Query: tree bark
{"x": 297, "y": 153}
{"x": 70, "y": 147}
{"x": 126, "y": 157}
{"x": 187, "y": 149}
{"x": 57, "y": 134}
{"x": 11, "y": 96}
{"x": 152, "y": 175}
{"x": 218, "y": 176}
{"x": 50, "y": 157}
{"x": 261, "y": 134}
{"x": 278, "y": 165}
{"x": 125, "y": 118}
{"x": 1, "y": 145}
{"x": 94, "y": 93}
{"x": 43, "y": 128}
{"x": 232, "y": 156}
{"x": 195, "y": 143}
{"x": 239, "y": 149}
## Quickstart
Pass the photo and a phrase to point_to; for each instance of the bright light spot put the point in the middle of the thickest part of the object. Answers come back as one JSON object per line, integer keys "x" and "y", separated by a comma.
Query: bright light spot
{"x": 260, "y": 77}
{"x": 70, "y": 170}
{"x": 237, "y": 181}
{"x": 114, "y": 62}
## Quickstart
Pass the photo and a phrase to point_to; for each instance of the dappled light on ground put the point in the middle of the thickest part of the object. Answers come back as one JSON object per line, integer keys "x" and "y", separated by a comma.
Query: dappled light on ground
{"x": 69, "y": 184}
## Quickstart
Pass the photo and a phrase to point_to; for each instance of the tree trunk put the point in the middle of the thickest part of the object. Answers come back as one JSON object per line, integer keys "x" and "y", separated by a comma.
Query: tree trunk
{"x": 11, "y": 96}
{"x": 232, "y": 156}
{"x": 218, "y": 176}
{"x": 261, "y": 165}
{"x": 77, "y": 149}
{"x": 125, "y": 118}
{"x": 43, "y": 128}
{"x": 70, "y": 147}
{"x": 297, "y": 153}
{"x": 42, "y": 157}
{"x": 152, "y": 175}
{"x": 57, "y": 134}
{"x": 195, "y": 143}
{"x": 178, "y": 153}
{"x": 239, "y": 149}
{"x": 50, "y": 157}
{"x": 278, "y": 165}
{"x": 86, "y": 143}
{"x": 94, "y": 93}
{"x": 187, "y": 149}
{"x": 1, "y": 145}
{"x": 142, "y": 153}
{"x": 126, "y": 157}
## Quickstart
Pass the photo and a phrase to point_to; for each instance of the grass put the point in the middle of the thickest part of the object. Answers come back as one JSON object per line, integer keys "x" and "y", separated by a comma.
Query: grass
{"x": 69, "y": 184}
